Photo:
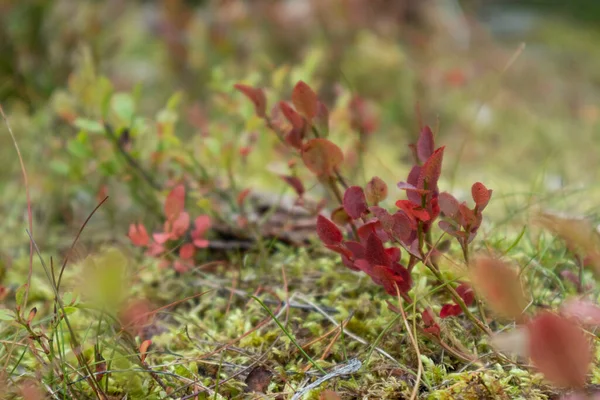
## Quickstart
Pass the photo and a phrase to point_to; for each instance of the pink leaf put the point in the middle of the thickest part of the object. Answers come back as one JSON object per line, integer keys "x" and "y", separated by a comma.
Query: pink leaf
{"x": 292, "y": 116}
{"x": 305, "y": 100}
{"x": 413, "y": 179}
{"x": 202, "y": 224}
{"x": 481, "y": 195}
{"x": 499, "y": 285}
{"x": 322, "y": 156}
{"x": 355, "y": 202}
{"x": 138, "y": 235}
{"x": 431, "y": 170}
{"x": 187, "y": 251}
{"x": 328, "y": 232}
{"x": 448, "y": 204}
{"x": 161, "y": 237}
{"x": 294, "y": 138}
{"x": 201, "y": 243}
{"x": 257, "y": 96}
{"x": 587, "y": 312}
{"x": 559, "y": 349}
{"x": 425, "y": 144}
{"x": 175, "y": 202}
{"x": 384, "y": 217}
{"x": 180, "y": 225}
{"x": 295, "y": 183}
{"x": 403, "y": 226}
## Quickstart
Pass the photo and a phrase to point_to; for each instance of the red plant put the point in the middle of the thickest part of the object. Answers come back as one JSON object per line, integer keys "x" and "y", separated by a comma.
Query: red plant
{"x": 368, "y": 237}
{"x": 175, "y": 228}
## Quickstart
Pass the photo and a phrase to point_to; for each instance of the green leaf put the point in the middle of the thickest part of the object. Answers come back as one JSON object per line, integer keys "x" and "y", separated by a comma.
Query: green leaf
{"x": 78, "y": 149}
{"x": 89, "y": 125}
{"x": 6, "y": 315}
{"x": 123, "y": 105}
{"x": 70, "y": 310}
{"x": 60, "y": 167}
{"x": 67, "y": 298}
{"x": 174, "y": 101}
{"x": 20, "y": 294}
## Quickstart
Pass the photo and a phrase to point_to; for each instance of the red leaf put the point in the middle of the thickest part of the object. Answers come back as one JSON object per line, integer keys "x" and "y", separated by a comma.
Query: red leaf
{"x": 364, "y": 231}
{"x": 155, "y": 248}
{"x": 135, "y": 315}
{"x": 431, "y": 170}
{"x": 390, "y": 280}
{"x": 450, "y": 310}
{"x": 499, "y": 285}
{"x": 322, "y": 156}
{"x": 466, "y": 293}
{"x": 187, "y": 251}
{"x": 376, "y": 190}
{"x": 448, "y": 228}
{"x": 329, "y": 395}
{"x": 161, "y": 237}
{"x": 201, "y": 243}
{"x": 138, "y": 235}
{"x": 340, "y": 250}
{"x": 257, "y": 96}
{"x": 393, "y": 253}
{"x": 355, "y": 202}
{"x": 202, "y": 224}
{"x": 175, "y": 202}
{"x": 242, "y": 196}
{"x": 305, "y": 100}
{"x": 295, "y": 183}
{"x": 357, "y": 249}
{"x": 364, "y": 266}
{"x": 375, "y": 252}
{"x": 425, "y": 144}
{"x": 481, "y": 195}
{"x": 559, "y": 349}
{"x": 144, "y": 349}
{"x": 448, "y": 204}
{"x": 180, "y": 226}
{"x": 384, "y": 217}
{"x": 431, "y": 326}
{"x": 585, "y": 311}
{"x": 413, "y": 179}
{"x": 466, "y": 216}
{"x": 403, "y": 226}
{"x": 412, "y": 210}
{"x": 328, "y": 232}
{"x": 292, "y": 116}
{"x": 294, "y": 138}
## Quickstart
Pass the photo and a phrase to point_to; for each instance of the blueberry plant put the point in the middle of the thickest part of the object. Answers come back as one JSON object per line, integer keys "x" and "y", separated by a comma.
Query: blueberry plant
{"x": 369, "y": 237}
{"x": 388, "y": 244}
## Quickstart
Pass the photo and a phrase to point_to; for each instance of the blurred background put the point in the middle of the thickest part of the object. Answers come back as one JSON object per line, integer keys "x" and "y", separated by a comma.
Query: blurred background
{"x": 512, "y": 86}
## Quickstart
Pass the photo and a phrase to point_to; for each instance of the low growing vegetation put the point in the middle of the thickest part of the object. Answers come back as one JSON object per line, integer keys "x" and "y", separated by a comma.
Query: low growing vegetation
{"x": 265, "y": 233}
